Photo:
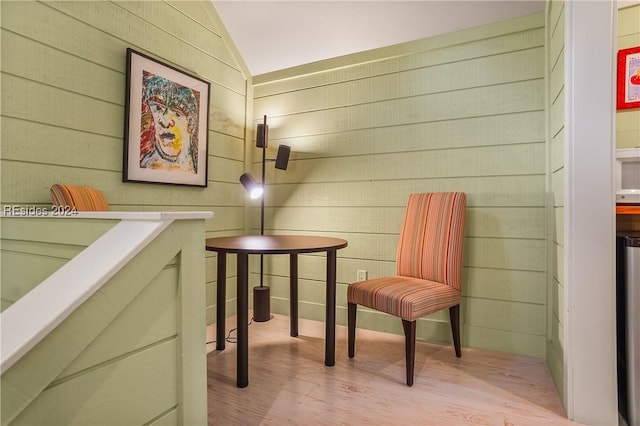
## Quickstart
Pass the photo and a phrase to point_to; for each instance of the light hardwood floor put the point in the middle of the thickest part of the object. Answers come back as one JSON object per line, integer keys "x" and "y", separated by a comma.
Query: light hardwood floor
{"x": 289, "y": 383}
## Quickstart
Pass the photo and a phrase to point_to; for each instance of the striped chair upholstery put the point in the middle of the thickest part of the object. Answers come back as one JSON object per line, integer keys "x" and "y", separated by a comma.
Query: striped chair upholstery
{"x": 82, "y": 198}
{"x": 428, "y": 268}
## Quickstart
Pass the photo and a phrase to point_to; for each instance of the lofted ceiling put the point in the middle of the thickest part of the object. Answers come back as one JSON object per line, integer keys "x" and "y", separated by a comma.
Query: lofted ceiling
{"x": 274, "y": 35}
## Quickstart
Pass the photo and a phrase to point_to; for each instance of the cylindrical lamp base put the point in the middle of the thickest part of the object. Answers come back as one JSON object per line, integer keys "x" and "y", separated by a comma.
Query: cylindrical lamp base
{"x": 261, "y": 304}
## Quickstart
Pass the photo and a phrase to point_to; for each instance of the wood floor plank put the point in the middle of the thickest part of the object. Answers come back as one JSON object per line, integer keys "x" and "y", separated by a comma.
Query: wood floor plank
{"x": 289, "y": 383}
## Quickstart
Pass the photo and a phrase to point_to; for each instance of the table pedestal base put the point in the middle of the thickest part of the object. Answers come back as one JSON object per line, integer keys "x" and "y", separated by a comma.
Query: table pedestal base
{"x": 261, "y": 304}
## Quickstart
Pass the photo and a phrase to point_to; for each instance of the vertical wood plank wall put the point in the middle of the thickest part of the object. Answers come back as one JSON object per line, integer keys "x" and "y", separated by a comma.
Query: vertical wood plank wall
{"x": 628, "y": 121}
{"x": 464, "y": 111}
{"x": 555, "y": 100}
{"x": 63, "y": 100}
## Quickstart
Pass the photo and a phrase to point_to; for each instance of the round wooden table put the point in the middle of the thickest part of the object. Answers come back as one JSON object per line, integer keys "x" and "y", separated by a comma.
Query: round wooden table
{"x": 292, "y": 245}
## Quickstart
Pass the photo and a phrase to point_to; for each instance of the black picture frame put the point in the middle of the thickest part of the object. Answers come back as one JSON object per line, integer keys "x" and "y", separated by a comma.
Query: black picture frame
{"x": 166, "y": 138}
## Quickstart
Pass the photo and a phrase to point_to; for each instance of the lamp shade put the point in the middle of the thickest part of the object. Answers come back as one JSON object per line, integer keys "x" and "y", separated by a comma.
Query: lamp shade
{"x": 262, "y": 136}
{"x": 282, "y": 159}
{"x": 254, "y": 189}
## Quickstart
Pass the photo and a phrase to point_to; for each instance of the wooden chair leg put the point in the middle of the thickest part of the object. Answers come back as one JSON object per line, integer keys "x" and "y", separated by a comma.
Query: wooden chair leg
{"x": 351, "y": 326}
{"x": 454, "y": 317}
{"x": 410, "y": 347}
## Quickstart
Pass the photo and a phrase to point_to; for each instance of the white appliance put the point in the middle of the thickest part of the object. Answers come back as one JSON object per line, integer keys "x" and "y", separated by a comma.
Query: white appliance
{"x": 628, "y": 176}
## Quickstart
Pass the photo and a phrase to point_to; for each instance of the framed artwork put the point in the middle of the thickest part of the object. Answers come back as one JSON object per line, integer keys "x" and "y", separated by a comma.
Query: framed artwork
{"x": 166, "y": 124}
{"x": 628, "y": 84}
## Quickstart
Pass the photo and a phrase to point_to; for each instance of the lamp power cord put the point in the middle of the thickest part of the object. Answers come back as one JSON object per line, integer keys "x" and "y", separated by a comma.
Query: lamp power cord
{"x": 229, "y": 338}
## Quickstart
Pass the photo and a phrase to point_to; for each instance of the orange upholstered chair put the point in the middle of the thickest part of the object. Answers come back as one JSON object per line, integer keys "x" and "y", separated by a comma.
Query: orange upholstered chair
{"x": 428, "y": 267}
{"x": 81, "y": 198}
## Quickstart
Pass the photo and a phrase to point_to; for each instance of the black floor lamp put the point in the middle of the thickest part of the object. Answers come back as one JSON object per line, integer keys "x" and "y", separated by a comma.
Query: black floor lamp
{"x": 261, "y": 293}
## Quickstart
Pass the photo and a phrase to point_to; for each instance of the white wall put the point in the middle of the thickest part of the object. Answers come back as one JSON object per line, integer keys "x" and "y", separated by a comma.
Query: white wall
{"x": 590, "y": 369}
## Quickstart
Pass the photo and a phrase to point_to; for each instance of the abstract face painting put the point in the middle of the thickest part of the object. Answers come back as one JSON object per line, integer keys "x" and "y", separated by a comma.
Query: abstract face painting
{"x": 169, "y": 125}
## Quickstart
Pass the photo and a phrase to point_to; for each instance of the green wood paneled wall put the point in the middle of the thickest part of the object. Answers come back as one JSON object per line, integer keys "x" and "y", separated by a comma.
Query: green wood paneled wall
{"x": 463, "y": 111}
{"x": 32, "y": 250}
{"x": 555, "y": 108}
{"x": 63, "y": 100}
{"x": 628, "y": 121}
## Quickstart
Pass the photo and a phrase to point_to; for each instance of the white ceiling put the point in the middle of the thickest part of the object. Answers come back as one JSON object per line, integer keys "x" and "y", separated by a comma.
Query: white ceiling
{"x": 274, "y": 35}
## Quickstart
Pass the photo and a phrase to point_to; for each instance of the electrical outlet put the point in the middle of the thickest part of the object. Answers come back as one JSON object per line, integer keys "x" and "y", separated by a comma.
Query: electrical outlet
{"x": 361, "y": 275}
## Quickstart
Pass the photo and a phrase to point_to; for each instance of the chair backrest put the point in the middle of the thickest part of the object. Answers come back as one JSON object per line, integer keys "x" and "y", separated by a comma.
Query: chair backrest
{"x": 81, "y": 198}
{"x": 430, "y": 245}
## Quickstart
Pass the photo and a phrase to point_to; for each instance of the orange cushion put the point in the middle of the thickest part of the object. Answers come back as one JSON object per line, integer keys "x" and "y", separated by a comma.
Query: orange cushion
{"x": 82, "y": 198}
{"x": 405, "y": 297}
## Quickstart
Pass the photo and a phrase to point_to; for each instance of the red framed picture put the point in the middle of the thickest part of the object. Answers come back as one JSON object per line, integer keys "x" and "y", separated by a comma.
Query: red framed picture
{"x": 628, "y": 86}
